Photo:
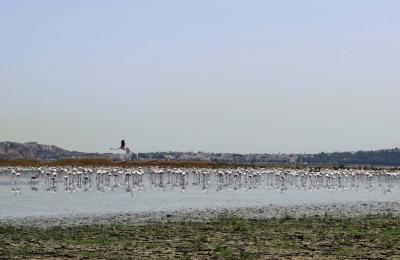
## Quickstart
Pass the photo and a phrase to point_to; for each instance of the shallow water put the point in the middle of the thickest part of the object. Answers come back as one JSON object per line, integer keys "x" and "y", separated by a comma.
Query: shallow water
{"x": 23, "y": 197}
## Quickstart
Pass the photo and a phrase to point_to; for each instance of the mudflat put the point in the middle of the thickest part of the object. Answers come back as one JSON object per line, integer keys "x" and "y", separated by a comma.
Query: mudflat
{"x": 224, "y": 237}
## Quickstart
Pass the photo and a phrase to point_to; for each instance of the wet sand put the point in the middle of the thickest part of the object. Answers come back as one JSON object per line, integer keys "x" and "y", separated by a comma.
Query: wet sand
{"x": 353, "y": 209}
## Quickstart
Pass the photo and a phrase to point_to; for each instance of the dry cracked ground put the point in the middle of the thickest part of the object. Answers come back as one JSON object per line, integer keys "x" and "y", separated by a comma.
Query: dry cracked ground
{"x": 227, "y": 237}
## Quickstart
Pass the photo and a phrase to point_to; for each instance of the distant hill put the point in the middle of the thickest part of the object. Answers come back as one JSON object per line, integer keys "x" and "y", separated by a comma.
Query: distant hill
{"x": 35, "y": 151}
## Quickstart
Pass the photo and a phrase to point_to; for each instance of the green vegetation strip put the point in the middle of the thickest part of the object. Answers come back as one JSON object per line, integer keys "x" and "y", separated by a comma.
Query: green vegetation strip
{"x": 225, "y": 238}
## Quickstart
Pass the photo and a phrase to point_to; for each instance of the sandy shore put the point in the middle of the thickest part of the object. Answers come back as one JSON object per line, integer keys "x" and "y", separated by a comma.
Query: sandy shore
{"x": 267, "y": 212}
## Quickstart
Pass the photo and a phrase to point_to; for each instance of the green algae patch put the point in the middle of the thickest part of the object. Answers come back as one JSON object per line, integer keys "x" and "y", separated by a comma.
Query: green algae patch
{"x": 226, "y": 237}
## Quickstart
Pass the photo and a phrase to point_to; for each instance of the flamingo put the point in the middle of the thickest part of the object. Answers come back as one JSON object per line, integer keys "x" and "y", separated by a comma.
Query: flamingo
{"x": 124, "y": 148}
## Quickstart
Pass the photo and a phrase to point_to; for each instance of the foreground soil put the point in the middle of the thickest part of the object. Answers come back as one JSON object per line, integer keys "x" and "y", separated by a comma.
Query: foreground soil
{"x": 370, "y": 237}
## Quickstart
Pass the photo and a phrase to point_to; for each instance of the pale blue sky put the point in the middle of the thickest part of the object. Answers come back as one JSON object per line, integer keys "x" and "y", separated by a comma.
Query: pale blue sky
{"x": 218, "y": 76}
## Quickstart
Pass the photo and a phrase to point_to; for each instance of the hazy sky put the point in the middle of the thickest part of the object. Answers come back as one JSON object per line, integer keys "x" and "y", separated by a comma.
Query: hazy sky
{"x": 217, "y": 76}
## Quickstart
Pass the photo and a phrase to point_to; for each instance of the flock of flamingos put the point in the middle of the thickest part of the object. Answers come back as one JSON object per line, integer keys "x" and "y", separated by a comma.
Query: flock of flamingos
{"x": 102, "y": 179}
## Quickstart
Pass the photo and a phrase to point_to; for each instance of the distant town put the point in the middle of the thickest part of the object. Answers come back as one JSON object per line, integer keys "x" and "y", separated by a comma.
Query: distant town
{"x": 35, "y": 151}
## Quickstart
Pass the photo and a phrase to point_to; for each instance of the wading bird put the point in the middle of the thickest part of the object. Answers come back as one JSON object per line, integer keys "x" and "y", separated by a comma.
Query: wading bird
{"x": 122, "y": 147}
{"x": 125, "y": 148}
